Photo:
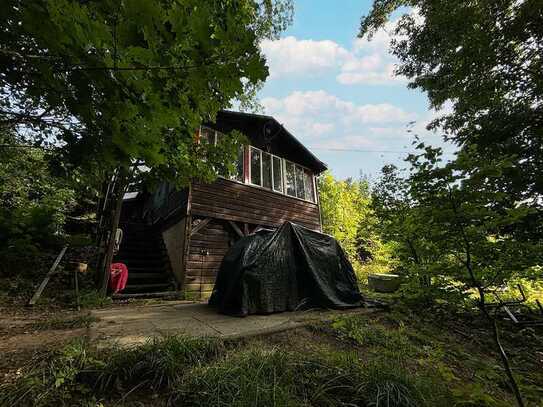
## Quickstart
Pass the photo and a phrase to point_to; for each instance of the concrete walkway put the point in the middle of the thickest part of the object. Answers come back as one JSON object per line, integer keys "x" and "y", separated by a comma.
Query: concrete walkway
{"x": 132, "y": 325}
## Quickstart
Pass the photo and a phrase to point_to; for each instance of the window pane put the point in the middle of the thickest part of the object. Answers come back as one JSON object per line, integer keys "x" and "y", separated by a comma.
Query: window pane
{"x": 289, "y": 179}
{"x": 300, "y": 182}
{"x": 308, "y": 185}
{"x": 255, "y": 166}
{"x": 277, "y": 174}
{"x": 207, "y": 136}
{"x": 266, "y": 171}
{"x": 238, "y": 170}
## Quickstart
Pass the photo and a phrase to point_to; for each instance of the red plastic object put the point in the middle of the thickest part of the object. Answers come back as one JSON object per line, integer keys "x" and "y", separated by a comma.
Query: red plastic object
{"x": 118, "y": 277}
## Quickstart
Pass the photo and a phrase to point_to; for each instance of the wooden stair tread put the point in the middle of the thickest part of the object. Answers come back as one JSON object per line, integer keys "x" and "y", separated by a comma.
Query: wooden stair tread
{"x": 162, "y": 294}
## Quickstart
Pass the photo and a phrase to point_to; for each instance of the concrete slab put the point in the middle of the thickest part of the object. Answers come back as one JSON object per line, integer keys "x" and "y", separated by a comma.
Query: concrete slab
{"x": 133, "y": 325}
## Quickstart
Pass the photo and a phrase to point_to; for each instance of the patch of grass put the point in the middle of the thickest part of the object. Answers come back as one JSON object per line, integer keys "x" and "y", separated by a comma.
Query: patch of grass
{"x": 51, "y": 379}
{"x": 93, "y": 299}
{"x": 386, "y": 384}
{"x": 359, "y": 330}
{"x": 273, "y": 377}
{"x": 383, "y": 360}
{"x": 80, "y": 321}
{"x": 78, "y": 374}
{"x": 255, "y": 377}
{"x": 159, "y": 363}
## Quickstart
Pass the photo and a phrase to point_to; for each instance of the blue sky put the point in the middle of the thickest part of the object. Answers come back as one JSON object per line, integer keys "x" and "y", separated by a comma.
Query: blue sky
{"x": 338, "y": 94}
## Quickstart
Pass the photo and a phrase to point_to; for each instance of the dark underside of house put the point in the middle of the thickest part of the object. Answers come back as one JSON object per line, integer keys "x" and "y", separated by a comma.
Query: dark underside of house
{"x": 175, "y": 240}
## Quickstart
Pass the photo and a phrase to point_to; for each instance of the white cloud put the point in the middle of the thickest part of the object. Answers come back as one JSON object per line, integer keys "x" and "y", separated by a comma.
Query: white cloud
{"x": 290, "y": 56}
{"x": 346, "y": 142}
{"x": 319, "y": 116}
{"x": 367, "y": 62}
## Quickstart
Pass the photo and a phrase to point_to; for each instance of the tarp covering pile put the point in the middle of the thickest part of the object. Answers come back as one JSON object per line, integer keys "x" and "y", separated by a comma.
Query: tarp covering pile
{"x": 288, "y": 269}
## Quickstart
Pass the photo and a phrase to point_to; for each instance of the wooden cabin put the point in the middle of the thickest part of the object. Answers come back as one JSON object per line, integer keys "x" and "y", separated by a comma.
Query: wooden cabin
{"x": 175, "y": 239}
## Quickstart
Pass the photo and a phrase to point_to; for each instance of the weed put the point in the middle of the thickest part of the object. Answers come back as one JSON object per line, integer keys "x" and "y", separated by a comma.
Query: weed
{"x": 93, "y": 299}
{"x": 358, "y": 330}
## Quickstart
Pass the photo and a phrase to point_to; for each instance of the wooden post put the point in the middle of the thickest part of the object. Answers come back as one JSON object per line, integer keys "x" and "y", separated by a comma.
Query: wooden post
{"x": 122, "y": 182}
{"x": 76, "y": 281}
{"x": 51, "y": 271}
{"x": 236, "y": 228}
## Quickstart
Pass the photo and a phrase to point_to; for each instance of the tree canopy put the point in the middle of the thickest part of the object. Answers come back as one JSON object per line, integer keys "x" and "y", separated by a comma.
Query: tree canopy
{"x": 118, "y": 82}
{"x": 485, "y": 58}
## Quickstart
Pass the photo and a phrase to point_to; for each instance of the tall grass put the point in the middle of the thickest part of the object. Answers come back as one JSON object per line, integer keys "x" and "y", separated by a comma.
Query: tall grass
{"x": 373, "y": 365}
{"x": 78, "y": 374}
{"x": 254, "y": 377}
{"x": 159, "y": 363}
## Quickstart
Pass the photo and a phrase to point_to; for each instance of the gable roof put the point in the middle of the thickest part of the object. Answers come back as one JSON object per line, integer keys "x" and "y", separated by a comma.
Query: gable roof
{"x": 267, "y": 133}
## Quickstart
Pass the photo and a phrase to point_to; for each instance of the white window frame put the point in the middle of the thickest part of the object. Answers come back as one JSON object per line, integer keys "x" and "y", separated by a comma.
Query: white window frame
{"x": 250, "y": 166}
{"x": 282, "y": 191}
{"x": 283, "y": 161}
{"x": 272, "y": 156}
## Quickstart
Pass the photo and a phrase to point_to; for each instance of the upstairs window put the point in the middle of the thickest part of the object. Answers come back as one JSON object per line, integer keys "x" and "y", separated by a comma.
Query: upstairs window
{"x": 290, "y": 178}
{"x": 266, "y": 170}
{"x": 256, "y": 169}
{"x": 299, "y": 182}
{"x": 300, "y": 192}
{"x": 309, "y": 187}
{"x": 277, "y": 174}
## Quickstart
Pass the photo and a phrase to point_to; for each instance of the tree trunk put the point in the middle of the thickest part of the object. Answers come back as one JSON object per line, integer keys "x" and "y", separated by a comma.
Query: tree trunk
{"x": 122, "y": 182}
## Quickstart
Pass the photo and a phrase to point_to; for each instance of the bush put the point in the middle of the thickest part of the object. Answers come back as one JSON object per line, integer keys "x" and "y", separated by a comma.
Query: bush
{"x": 37, "y": 194}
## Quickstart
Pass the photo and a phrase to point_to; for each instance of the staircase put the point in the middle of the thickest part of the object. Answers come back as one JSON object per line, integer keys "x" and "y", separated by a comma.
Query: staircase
{"x": 144, "y": 253}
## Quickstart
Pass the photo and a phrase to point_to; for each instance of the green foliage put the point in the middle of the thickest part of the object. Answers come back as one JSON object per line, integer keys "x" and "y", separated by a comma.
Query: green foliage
{"x": 359, "y": 360}
{"x": 348, "y": 217}
{"x": 77, "y": 374}
{"x": 112, "y": 83}
{"x": 364, "y": 334}
{"x": 34, "y": 204}
{"x": 159, "y": 363}
{"x": 389, "y": 386}
{"x": 249, "y": 378}
{"x": 41, "y": 202}
{"x": 451, "y": 230}
{"x": 418, "y": 364}
{"x": 270, "y": 377}
{"x": 476, "y": 220}
{"x": 93, "y": 299}
{"x": 479, "y": 56}
{"x": 53, "y": 379}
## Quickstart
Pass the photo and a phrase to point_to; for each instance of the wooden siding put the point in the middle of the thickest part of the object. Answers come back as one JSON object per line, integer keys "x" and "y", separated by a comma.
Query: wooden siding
{"x": 237, "y": 202}
{"x": 206, "y": 250}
